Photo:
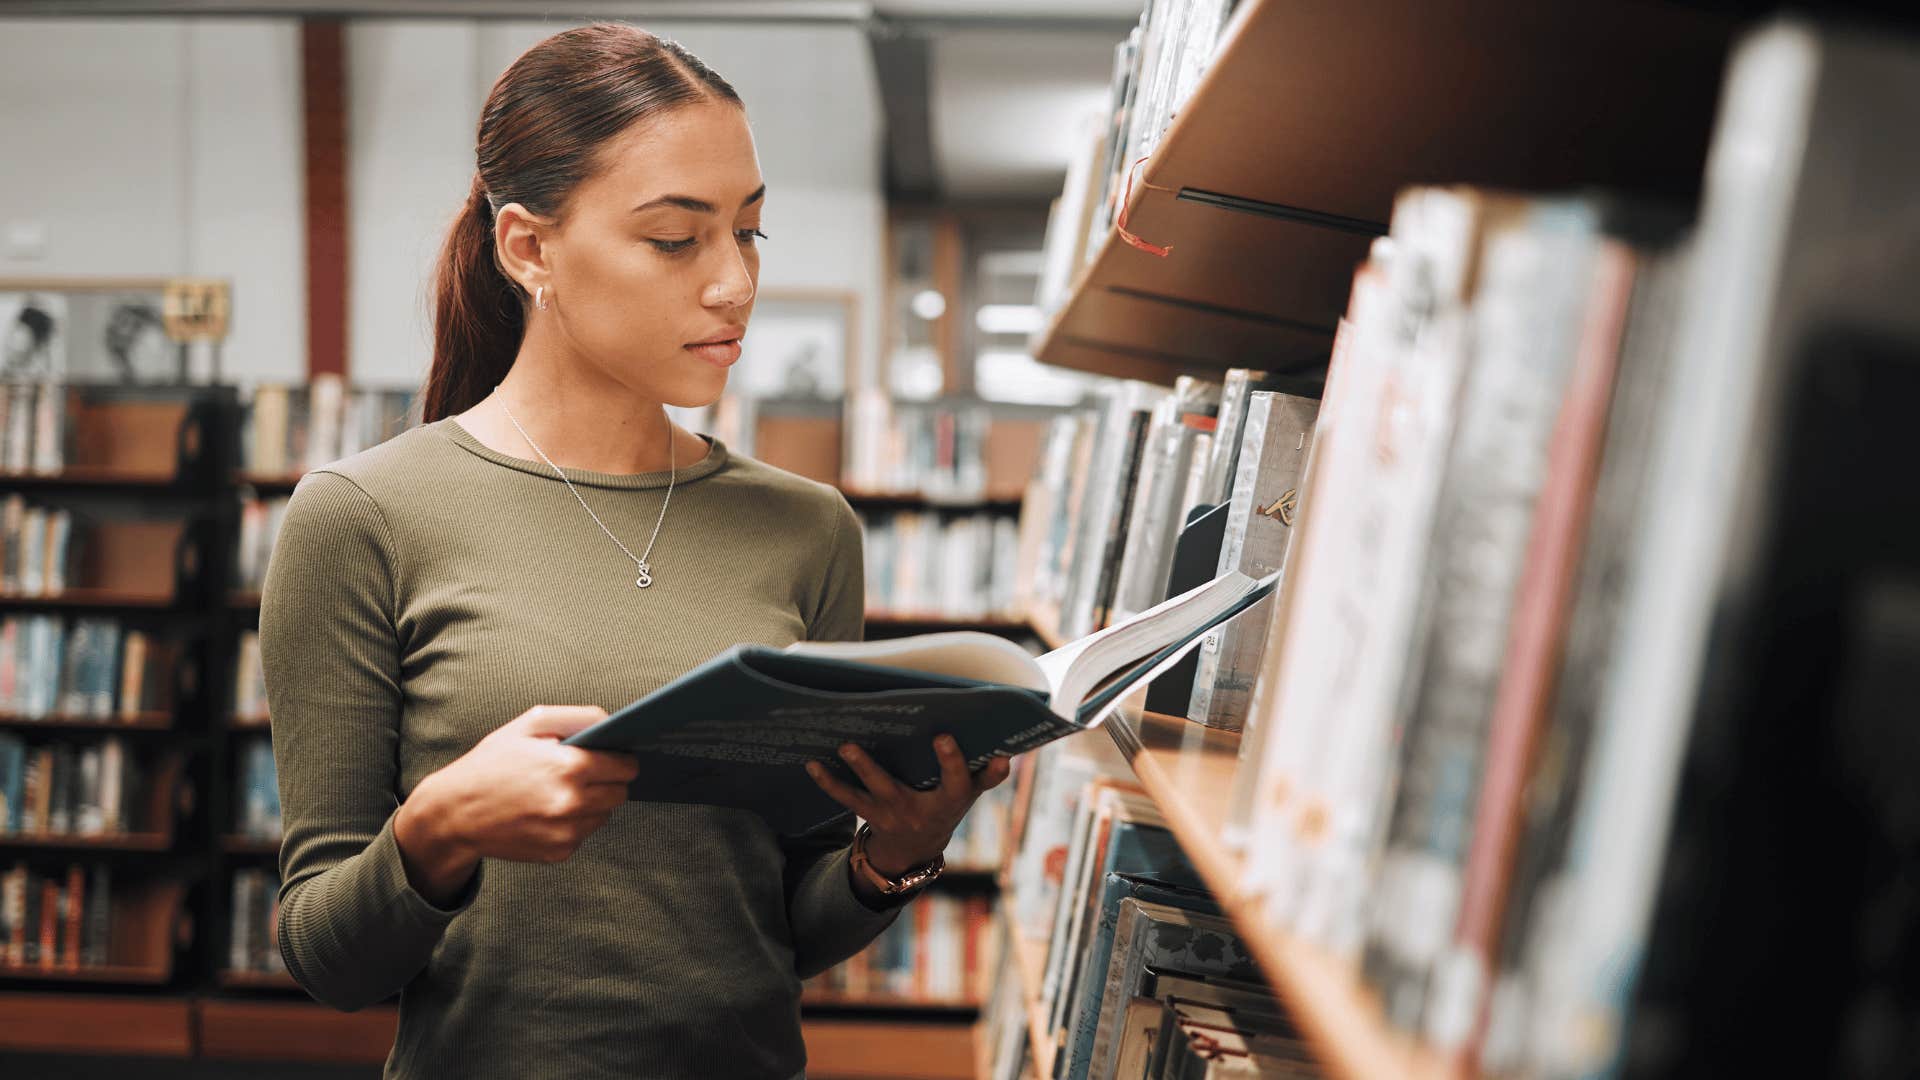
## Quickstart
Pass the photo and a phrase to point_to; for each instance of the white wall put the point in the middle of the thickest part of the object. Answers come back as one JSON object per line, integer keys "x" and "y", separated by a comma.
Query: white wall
{"x": 160, "y": 147}
{"x": 149, "y": 146}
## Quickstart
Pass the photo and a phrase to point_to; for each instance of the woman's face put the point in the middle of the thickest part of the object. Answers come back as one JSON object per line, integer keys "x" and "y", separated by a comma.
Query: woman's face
{"x": 653, "y": 269}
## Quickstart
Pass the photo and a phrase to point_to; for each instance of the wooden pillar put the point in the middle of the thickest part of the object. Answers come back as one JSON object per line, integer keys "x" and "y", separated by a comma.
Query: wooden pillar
{"x": 324, "y": 94}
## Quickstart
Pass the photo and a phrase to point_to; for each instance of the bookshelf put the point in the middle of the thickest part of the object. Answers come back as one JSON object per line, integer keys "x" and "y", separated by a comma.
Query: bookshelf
{"x": 1189, "y": 770}
{"x": 139, "y": 466}
{"x": 1029, "y": 964}
{"x": 37, "y": 1023}
{"x": 1282, "y": 167}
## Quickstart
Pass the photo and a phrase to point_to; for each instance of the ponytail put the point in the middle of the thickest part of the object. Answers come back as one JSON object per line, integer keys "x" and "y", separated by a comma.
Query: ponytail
{"x": 477, "y": 315}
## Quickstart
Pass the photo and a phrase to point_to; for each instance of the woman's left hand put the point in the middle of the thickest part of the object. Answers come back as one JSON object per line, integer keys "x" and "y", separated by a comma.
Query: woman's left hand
{"x": 910, "y": 827}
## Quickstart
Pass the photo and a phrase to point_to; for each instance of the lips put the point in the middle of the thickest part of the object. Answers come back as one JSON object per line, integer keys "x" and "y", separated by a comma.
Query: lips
{"x": 721, "y": 349}
{"x": 723, "y": 353}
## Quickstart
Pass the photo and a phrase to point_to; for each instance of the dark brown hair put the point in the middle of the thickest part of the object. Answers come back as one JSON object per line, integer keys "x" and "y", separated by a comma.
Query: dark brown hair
{"x": 541, "y": 133}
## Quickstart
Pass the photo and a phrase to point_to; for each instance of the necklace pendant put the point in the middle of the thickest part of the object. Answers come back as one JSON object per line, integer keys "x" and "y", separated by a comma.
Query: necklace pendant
{"x": 646, "y": 576}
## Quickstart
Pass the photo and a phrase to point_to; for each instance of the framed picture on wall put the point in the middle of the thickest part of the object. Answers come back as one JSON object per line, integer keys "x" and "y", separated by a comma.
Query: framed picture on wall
{"x": 33, "y": 341}
{"x": 798, "y": 347}
{"x": 88, "y": 331}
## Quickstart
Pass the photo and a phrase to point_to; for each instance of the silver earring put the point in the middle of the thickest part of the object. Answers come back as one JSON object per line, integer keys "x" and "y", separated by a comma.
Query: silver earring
{"x": 540, "y": 298}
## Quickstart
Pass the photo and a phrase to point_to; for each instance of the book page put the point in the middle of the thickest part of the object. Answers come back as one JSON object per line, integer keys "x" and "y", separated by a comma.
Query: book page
{"x": 969, "y": 654}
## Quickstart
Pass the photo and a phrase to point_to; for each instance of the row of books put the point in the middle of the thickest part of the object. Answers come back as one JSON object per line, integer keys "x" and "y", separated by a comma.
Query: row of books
{"x": 1118, "y": 912}
{"x": 253, "y": 924}
{"x": 936, "y": 949}
{"x": 935, "y": 449}
{"x": 38, "y": 548}
{"x": 33, "y": 427}
{"x": 1155, "y": 70}
{"x": 1159, "y": 490}
{"x": 256, "y": 789}
{"x": 87, "y": 666}
{"x": 259, "y": 528}
{"x": 249, "y": 680}
{"x": 1552, "y": 629}
{"x": 980, "y": 839}
{"x": 68, "y": 789}
{"x": 934, "y": 564}
{"x": 293, "y": 428}
{"x": 52, "y": 920}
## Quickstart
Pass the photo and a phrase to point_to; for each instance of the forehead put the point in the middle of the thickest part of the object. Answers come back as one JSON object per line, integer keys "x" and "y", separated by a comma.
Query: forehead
{"x": 704, "y": 150}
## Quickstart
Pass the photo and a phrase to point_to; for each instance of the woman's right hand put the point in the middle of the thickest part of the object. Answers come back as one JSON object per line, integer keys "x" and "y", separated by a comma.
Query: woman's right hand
{"x": 518, "y": 794}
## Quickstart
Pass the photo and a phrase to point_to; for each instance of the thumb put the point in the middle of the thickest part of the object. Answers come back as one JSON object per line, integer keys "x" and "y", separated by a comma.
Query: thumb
{"x": 558, "y": 721}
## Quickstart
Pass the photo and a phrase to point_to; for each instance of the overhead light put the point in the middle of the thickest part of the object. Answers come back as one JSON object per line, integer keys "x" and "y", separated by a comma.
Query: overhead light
{"x": 929, "y": 304}
{"x": 1008, "y": 319}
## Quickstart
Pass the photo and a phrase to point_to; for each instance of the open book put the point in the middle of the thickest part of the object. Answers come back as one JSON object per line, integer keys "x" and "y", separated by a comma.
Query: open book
{"x": 737, "y": 730}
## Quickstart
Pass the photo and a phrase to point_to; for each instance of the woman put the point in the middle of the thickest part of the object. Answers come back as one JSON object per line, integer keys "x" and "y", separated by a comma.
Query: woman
{"x": 441, "y": 610}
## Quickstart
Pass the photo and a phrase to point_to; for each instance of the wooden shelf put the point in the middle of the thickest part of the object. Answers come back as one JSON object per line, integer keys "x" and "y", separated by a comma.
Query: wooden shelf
{"x": 888, "y": 1050}
{"x": 286, "y": 1031}
{"x": 239, "y": 844}
{"x": 90, "y": 598}
{"x": 90, "y": 476}
{"x": 146, "y": 721}
{"x": 1029, "y": 962}
{"x": 131, "y": 974}
{"x": 1004, "y": 501}
{"x": 140, "y": 841}
{"x": 254, "y": 980}
{"x": 250, "y": 723}
{"x": 243, "y": 598}
{"x": 268, "y": 483}
{"x": 892, "y": 1002}
{"x": 1284, "y": 164}
{"x": 1188, "y": 770}
{"x": 95, "y": 1024}
{"x": 302, "y": 1031}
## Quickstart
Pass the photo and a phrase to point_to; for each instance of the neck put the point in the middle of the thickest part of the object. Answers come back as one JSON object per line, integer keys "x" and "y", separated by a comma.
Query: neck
{"x": 581, "y": 421}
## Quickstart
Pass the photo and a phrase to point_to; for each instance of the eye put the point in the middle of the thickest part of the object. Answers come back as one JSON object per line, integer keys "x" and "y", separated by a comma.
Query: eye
{"x": 672, "y": 247}
{"x": 746, "y": 236}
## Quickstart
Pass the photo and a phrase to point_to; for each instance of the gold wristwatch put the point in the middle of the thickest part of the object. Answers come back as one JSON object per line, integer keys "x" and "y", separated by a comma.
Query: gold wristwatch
{"x": 913, "y": 880}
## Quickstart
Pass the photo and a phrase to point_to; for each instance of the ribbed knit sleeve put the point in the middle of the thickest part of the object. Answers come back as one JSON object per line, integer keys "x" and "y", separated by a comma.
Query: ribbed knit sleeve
{"x": 351, "y": 928}
{"x": 830, "y": 922}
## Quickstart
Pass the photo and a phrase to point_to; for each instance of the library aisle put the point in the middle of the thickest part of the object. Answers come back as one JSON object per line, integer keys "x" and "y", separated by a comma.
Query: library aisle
{"x": 1414, "y": 498}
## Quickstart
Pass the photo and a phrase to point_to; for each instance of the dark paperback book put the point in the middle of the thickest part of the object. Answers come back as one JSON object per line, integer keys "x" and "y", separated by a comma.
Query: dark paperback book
{"x": 738, "y": 730}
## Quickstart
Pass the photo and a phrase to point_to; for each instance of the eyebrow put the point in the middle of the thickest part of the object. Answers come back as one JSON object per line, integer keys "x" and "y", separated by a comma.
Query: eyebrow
{"x": 698, "y": 206}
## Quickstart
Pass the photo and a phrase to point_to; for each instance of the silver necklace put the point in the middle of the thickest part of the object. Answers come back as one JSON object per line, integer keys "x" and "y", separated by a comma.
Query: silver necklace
{"x": 646, "y": 571}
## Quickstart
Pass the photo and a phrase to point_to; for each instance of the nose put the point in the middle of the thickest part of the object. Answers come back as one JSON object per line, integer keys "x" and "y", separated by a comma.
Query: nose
{"x": 732, "y": 284}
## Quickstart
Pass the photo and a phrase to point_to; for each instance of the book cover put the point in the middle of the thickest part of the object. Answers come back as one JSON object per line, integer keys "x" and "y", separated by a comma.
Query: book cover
{"x": 1143, "y": 935}
{"x": 738, "y": 729}
{"x": 1259, "y": 533}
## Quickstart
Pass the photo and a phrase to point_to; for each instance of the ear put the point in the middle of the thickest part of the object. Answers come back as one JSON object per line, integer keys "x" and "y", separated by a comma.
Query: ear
{"x": 520, "y": 242}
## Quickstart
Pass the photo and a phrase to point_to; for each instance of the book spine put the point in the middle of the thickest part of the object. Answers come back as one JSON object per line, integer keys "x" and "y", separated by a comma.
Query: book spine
{"x": 1464, "y": 976}
{"x": 1526, "y": 321}
{"x": 1116, "y": 543}
{"x": 1272, "y": 466}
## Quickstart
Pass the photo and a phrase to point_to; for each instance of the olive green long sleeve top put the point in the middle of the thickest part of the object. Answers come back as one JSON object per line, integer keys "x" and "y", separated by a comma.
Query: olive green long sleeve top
{"x": 427, "y": 591}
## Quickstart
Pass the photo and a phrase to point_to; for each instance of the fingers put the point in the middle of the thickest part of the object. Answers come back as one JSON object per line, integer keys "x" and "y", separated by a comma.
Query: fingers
{"x": 990, "y": 777}
{"x": 840, "y": 791}
{"x": 558, "y": 721}
{"x": 599, "y": 800}
{"x": 953, "y": 767}
{"x": 598, "y": 766}
{"x": 880, "y": 784}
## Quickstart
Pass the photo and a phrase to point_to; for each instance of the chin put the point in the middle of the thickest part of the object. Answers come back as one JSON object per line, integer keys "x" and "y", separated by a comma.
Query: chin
{"x": 696, "y": 394}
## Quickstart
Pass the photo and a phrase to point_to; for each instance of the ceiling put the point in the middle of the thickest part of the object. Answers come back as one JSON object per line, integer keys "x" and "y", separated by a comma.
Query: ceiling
{"x": 981, "y": 97}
